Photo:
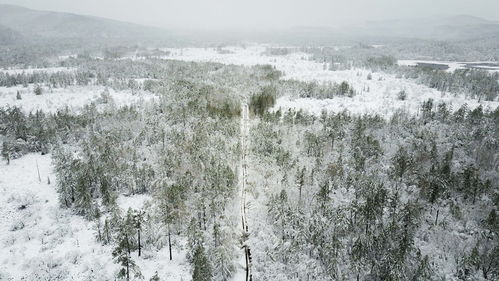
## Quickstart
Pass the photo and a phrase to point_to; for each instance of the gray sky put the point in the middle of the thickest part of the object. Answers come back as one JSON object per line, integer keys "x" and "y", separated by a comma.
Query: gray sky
{"x": 215, "y": 14}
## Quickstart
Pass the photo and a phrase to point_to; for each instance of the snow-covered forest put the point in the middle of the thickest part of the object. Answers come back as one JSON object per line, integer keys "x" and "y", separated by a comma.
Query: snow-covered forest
{"x": 248, "y": 161}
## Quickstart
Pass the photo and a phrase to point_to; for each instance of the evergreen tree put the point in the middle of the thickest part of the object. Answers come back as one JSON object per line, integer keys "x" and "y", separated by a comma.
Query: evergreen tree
{"x": 6, "y": 151}
{"x": 401, "y": 162}
{"x": 202, "y": 268}
{"x": 155, "y": 277}
{"x": 172, "y": 208}
{"x": 38, "y": 90}
{"x": 138, "y": 220}
{"x": 122, "y": 252}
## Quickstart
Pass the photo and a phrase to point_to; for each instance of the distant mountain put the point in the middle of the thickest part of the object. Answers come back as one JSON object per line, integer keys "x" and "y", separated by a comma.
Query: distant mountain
{"x": 9, "y": 36}
{"x": 19, "y": 23}
{"x": 460, "y": 27}
{"x": 453, "y": 28}
{"x": 44, "y": 24}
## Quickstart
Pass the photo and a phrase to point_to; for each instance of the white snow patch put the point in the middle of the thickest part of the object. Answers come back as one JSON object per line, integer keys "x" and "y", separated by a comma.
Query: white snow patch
{"x": 135, "y": 202}
{"x": 74, "y": 97}
{"x": 382, "y": 97}
{"x": 41, "y": 241}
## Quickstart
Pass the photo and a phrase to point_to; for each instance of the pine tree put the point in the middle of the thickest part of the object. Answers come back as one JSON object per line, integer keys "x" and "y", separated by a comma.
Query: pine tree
{"x": 155, "y": 277}
{"x": 122, "y": 252}
{"x": 18, "y": 96}
{"x": 222, "y": 254}
{"x": 172, "y": 208}
{"x": 65, "y": 169}
{"x": 194, "y": 238}
{"x": 98, "y": 224}
{"x": 38, "y": 90}
{"x": 106, "y": 232}
{"x": 300, "y": 181}
{"x": 401, "y": 162}
{"x": 202, "y": 268}
{"x": 323, "y": 197}
{"x": 138, "y": 220}
{"x": 83, "y": 198}
{"x": 6, "y": 151}
{"x": 108, "y": 196}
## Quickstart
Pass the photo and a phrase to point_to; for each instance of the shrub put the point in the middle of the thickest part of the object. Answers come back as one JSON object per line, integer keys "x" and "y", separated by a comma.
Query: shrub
{"x": 38, "y": 90}
{"x": 402, "y": 95}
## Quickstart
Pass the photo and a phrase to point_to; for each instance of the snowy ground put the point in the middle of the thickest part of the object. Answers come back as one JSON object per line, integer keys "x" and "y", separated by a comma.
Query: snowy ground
{"x": 378, "y": 95}
{"x": 41, "y": 241}
{"x": 382, "y": 97}
{"x": 74, "y": 97}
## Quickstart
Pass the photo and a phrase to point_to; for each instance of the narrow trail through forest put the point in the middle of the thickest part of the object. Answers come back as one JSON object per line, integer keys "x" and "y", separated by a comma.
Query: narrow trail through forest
{"x": 243, "y": 182}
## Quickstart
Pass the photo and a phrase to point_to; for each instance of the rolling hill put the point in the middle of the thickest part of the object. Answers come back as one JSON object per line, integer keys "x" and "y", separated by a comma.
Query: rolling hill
{"x": 45, "y": 24}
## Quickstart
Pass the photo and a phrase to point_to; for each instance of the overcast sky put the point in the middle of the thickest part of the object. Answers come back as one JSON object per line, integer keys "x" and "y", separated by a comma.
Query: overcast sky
{"x": 215, "y": 14}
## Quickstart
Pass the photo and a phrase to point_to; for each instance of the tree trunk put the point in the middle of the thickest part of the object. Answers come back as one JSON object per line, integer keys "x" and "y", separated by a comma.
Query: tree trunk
{"x": 127, "y": 270}
{"x": 128, "y": 245}
{"x": 138, "y": 234}
{"x": 170, "y": 243}
{"x": 38, "y": 170}
{"x": 204, "y": 217}
{"x": 474, "y": 193}
{"x": 299, "y": 196}
{"x": 247, "y": 264}
{"x": 436, "y": 218}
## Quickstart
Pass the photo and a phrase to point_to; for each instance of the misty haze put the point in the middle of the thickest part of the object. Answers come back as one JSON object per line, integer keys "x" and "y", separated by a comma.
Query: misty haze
{"x": 223, "y": 140}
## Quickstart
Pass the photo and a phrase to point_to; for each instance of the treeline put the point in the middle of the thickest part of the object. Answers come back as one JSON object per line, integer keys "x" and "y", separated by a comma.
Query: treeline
{"x": 59, "y": 79}
{"x": 476, "y": 84}
{"x": 361, "y": 198}
{"x": 39, "y": 131}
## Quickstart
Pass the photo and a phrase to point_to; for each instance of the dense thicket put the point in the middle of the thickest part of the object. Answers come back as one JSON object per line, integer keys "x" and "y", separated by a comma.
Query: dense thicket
{"x": 361, "y": 198}
{"x": 182, "y": 151}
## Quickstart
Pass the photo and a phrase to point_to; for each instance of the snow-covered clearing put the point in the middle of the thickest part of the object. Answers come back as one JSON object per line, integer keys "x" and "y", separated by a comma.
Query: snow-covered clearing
{"x": 74, "y": 97}
{"x": 135, "y": 202}
{"x": 41, "y": 241}
{"x": 378, "y": 95}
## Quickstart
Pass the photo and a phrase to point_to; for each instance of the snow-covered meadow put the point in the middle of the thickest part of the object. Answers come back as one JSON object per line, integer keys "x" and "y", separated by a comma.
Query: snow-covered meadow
{"x": 377, "y": 95}
{"x": 41, "y": 241}
{"x": 73, "y": 97}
